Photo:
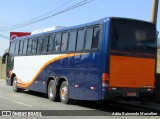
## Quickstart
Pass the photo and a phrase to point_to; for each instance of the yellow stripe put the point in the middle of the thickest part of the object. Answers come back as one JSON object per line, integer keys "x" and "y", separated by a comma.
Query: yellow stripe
{"x": 26, "y": 84}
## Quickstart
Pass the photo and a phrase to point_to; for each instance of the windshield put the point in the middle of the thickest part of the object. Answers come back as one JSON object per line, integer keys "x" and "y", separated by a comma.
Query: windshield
{"x": 133, "y": 37}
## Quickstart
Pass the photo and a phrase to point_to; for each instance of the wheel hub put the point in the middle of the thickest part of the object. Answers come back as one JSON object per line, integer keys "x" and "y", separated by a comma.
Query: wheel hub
{"x": 64, "y": 93}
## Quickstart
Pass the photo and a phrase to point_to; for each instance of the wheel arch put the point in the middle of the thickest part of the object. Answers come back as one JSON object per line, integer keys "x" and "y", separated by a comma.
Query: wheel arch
{"x": 48, "y": 80}
{"x": 57, "y": 80}
{"x": 61, "y": 79}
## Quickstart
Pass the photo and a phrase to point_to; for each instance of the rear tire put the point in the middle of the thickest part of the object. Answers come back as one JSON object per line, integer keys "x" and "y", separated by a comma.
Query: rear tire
{"x": 64, "y": 93}
{"x": 14, "y": 85}
{"x": 53, "y": 93}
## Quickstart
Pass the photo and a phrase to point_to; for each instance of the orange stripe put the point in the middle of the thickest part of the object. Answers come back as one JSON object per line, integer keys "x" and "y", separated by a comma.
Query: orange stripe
{"x": 26, "y": 84}
{"x": 19, "y": 80}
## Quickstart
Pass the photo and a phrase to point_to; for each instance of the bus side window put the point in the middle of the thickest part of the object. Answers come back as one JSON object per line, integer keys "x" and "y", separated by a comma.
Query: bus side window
{"x": 21, "y": 47}
{"x": 17, "y": 48}
{"x": 39, "y": 45}
{"x": 72, "y": 40}
{"x": 64, "y": 41}
{"x": 96, "y": 38}
{"x": 44, "y": 44}
{"x": 80, "y": 40}
{"x": 12, "y": 48}
{"x": 51, "y": 43}
{"x": 25, "y": 46}
{"x": 88, "y": 41}
{"x": 34, "y": 45}
{"x": 29, "y": 46}
{"x": 57, "y": 42}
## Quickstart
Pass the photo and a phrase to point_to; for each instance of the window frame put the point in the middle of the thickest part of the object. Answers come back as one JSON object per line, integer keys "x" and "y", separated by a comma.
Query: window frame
{"x": 35, "y": 52}
{"x": 65, "y": 32}
{"x": 29, "y": 53}
{"x": 21, "y": 41}
{"x": 57, "y": 51}
{"x": 83, "y": 28}
{"x": 53, "y": 43}
{"x": 12, "y": 53}
{"x": 25, "y": 40}
{"x": 46, "y": 45}
{"x": 90, "y": 27}
{"x": 39, "y": 38}
{"x": 73, "y": 30}
{"x": 16, "y": 50}
{"x": 99, "y": 37}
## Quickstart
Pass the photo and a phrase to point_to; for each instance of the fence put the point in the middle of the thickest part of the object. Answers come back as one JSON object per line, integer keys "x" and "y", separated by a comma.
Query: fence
{"x": 2, "y": 69}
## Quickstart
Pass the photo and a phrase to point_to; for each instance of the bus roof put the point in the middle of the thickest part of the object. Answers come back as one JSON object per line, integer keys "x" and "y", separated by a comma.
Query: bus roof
{"x": 100, "y": 21}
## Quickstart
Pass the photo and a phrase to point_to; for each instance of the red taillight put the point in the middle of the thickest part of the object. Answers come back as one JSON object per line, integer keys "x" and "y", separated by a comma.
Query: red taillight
{"x": 105, "y": 80}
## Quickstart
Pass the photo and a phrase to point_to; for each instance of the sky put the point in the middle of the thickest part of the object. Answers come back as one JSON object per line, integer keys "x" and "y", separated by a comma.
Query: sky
{"x": 22, "y": 12}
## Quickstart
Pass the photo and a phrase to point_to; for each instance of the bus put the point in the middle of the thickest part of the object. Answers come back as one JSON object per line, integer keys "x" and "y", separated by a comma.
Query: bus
{"x": 107, "y": 59}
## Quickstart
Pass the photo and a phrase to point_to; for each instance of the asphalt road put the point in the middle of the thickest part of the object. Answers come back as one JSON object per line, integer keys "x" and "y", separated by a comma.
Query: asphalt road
{"x": 28, "y": 100}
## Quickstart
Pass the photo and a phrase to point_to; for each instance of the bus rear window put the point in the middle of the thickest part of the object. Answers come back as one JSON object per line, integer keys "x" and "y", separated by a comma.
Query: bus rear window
{"x": 133, "y": 36}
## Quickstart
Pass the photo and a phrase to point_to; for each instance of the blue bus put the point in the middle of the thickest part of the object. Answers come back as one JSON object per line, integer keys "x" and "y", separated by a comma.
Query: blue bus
{"x": 102, "y": 60}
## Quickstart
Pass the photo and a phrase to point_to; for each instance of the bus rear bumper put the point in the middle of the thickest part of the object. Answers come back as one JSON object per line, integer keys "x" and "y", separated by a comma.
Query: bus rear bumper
{"x": 127, "y": 93}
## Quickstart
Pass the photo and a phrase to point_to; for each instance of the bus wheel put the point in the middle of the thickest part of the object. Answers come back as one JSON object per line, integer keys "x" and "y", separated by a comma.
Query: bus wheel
{"x": 52, "y": 91}
{"x": 64, "y": 93}
{"x": 14, "y": 85}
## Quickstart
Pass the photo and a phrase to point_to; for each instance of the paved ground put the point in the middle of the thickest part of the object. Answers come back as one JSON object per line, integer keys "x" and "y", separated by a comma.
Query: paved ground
{"x": 28, "y": 100}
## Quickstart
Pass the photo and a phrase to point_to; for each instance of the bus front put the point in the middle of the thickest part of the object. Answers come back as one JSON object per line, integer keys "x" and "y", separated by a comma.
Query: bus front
{"x": 132, "y": 58}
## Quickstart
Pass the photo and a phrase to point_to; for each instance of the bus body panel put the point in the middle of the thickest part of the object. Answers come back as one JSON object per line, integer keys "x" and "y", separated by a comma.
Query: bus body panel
{"x": 131, "y": 72}
{"x": 87, "y": 76}
{"x": 83, "y": 70}
{"x": 61, "y": 66}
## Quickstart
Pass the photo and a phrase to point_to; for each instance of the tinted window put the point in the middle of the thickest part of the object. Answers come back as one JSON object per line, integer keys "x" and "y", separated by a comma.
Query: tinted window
{"x": 64, "y": 42}
{"x": 96, "y": 37}
{"x": 39, "y": 44}
{"x": 88, "y": 41}
{"x": 51, "y": 43}
{"x": 44, "y": 44}
{"x": 57, "y": 42}
{"x": 133, "y": 36}
{"x": 12, "y": 48}
{"x": 34, "y": 45}
{"x": 21, "y": 47}
{"x": 72, "y": 41}
{"x": 25, "y": 46}
{"x": 17, "y": 48}
{"x": 29, "y": 46}
{"x": 80, "y": 40}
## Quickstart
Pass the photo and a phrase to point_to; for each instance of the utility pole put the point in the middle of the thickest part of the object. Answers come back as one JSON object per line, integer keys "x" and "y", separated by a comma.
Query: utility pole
{"x": 154, "y": 11}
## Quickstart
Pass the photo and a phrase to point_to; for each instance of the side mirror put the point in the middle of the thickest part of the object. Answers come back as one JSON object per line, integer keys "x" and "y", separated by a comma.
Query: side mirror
{"x": 4, "y": 58}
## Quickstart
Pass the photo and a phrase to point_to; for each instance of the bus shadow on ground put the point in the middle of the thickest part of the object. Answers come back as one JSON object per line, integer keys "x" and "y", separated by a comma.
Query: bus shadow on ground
{"x": 33, "y": 93}
{"x": 107, "y": 106}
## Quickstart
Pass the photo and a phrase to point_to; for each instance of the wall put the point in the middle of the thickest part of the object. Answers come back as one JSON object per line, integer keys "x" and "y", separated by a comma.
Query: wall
{"x": 2, "y": 69}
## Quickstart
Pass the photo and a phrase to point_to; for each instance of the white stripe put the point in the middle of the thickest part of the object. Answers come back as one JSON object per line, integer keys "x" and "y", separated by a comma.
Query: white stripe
{"x": 16, "y": 101}
{"x": 26, "y": 67}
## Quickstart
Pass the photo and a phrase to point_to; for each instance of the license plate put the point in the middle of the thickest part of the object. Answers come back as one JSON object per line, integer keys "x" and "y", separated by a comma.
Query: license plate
{"x": 131, "y": 94}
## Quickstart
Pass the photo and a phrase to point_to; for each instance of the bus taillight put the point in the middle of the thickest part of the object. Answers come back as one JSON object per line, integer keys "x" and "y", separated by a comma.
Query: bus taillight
{"x": 105, "y": 80}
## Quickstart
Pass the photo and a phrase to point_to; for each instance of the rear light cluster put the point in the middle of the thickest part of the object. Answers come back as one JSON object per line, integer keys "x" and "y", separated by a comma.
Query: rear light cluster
{"x": 105, "y": 80}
